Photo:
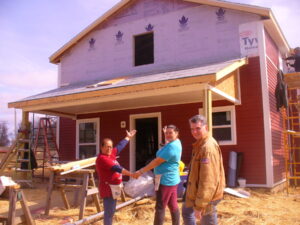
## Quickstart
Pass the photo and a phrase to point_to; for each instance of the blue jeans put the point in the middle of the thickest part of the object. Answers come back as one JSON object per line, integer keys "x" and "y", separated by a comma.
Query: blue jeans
{"x": 109, "y": 210}
{"x": 209, "y": 219}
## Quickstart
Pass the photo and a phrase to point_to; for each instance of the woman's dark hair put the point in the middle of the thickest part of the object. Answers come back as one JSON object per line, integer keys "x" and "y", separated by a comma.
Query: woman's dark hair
{"x": 173, "y": 127}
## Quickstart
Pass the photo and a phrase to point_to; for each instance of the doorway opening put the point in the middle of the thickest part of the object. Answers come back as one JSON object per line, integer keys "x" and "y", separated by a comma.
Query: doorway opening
{"x": 146, "y": 141}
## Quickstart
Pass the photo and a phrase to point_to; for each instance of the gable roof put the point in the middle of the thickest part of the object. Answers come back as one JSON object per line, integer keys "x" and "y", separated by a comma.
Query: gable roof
{"x": 269, "y": 21}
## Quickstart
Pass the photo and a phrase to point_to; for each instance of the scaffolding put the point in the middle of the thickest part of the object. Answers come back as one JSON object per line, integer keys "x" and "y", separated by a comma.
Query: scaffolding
{"x": 291, "y": 128}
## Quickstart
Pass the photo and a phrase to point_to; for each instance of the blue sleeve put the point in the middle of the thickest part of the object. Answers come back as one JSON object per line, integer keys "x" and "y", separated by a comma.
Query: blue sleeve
{"x": 121, "y": 145}
{"x": 117, "y": 168}
{"x": 166, "y": 154}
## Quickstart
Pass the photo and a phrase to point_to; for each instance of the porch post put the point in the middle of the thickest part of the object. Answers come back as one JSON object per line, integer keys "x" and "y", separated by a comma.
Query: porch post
{"x": 24, "y": 130}
{"x": 207, "y": 108}
{"x": 25, "y": 121}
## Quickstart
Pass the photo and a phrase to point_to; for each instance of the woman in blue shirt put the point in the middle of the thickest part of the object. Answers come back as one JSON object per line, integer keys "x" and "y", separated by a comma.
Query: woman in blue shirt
{"x": 166, "y": 165}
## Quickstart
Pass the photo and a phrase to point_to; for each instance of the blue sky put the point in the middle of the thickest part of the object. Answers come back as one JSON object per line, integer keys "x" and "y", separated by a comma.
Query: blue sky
{"x": 32, "y": 30}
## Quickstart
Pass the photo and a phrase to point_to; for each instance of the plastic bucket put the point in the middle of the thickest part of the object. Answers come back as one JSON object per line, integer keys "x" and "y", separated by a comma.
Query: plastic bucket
{"x": 242, "y": 182}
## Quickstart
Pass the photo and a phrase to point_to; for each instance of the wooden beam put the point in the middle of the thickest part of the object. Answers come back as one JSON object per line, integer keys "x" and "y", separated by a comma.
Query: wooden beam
{"x": 94, "y": 96}
{"x": 228, "y": 87}
{"x": 73, "y": 166}
{"x": 25, "y": 121}
{"x": 231, "y": 68}
{"x": 96, "y": 217}
{"x": 55, "y": 113}
{"x": 207, "y": 108}
{"x": 292, "y": 79}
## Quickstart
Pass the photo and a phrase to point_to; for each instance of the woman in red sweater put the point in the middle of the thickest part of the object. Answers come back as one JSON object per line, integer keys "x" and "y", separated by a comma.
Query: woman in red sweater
{"x": 110, "y": 173}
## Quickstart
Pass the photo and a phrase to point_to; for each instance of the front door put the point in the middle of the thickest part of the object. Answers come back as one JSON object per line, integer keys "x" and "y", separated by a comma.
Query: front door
{"x": 145, "y": 144}
{"x": 146, "y": 141}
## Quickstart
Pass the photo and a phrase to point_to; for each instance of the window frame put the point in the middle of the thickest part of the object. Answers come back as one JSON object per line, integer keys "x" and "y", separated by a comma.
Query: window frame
{"x": 134, "y": 49}
{"x": 92, "y": 120}
{"x": 231, "y": 109}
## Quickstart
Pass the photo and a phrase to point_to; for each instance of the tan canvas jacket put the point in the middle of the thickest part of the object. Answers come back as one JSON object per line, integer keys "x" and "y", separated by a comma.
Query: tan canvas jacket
{"x": 206, "y": 181}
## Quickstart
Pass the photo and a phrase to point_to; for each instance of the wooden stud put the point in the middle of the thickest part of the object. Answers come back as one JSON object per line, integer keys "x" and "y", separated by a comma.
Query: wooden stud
{"x": 84, "y": 195}
{"x": 207, "y": 108}
{"x": 96, "y": 195}
{"x": 28, "y": 217}
{"x": 12, "y": 206}
{"x": 50, "y": 189}
{"x": 64, "y": 197}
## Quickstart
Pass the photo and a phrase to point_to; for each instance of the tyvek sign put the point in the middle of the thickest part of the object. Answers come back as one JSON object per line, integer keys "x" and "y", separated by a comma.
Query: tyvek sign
{"x": 248, "y": 39}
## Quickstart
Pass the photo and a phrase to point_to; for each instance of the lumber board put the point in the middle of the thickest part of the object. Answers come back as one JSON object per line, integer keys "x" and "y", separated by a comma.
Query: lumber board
{"x": 7, "y": 157}
{"x": 76, "y": 165}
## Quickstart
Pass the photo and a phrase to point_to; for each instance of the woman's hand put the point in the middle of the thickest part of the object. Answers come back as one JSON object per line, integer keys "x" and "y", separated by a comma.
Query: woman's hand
{"x": 137, "y": 174}
{"x": 130, "y": 134}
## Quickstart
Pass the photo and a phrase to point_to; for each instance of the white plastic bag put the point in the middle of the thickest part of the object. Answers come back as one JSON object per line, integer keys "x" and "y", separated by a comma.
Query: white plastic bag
{"x": 5, "y": 182}
{"x": 141, "y": 186}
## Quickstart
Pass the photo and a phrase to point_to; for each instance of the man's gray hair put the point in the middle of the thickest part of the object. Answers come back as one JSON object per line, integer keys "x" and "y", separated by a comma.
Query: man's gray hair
{"x": 198, "y": 118}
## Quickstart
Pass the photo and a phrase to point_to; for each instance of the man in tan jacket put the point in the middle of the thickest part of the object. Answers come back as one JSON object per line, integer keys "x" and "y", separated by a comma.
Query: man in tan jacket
{"x": 206, "y": 180}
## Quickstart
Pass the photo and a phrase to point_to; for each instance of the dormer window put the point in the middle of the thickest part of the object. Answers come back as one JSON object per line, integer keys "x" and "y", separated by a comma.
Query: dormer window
{"x": 144, "y": 49}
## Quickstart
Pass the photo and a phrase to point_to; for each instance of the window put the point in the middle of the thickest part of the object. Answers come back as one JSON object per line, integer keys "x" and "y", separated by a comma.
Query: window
{"x": 143, "y": 49}
{"x": 87, "y": 138}
{"x": 223, "y": 121}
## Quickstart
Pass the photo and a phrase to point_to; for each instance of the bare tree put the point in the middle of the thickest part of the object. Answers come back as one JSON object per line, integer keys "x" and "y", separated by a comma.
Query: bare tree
{"x": 4, "y": 140}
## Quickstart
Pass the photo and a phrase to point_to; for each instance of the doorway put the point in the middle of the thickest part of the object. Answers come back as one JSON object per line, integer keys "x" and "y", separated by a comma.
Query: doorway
{"x": 146, "y": 141}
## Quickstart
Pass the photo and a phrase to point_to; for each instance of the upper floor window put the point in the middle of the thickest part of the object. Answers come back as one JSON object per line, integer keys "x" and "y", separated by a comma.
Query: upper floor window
{"x": 223, "y": 124}
{"x": 144, "y": 49}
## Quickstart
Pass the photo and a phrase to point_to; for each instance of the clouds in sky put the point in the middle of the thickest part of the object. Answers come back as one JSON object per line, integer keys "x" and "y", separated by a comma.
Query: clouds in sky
{"x": 32, "y": 30}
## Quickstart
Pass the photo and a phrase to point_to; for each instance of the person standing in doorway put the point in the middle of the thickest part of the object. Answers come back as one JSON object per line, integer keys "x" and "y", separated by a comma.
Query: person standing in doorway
{"x": 206, "y": 179}
{"x": 110, "y": 174}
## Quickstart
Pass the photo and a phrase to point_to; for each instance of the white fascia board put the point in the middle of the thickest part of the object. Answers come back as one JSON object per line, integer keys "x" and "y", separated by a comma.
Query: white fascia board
{"x": 266, "y": 105}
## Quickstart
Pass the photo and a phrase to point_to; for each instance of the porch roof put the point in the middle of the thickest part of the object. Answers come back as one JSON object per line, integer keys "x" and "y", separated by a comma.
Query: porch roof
{"x": 173, "y": 87}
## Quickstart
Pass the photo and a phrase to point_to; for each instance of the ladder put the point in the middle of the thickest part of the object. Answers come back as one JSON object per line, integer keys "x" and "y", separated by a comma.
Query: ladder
{"x": 45, "y": 147}
{"x": 19, "y": 159}
{"x": 23, "y": 162}
{"x": 291, "y": 127}
{"x": 7, "y": 158}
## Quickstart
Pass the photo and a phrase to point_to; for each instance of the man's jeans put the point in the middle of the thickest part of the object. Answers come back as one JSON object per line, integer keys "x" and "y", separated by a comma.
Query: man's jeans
{"x": 209, "y": 219}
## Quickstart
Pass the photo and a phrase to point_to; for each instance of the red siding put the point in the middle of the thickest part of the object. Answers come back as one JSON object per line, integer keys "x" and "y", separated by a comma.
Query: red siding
{"x": 271, "y": 49}
{"x": 249, "y": 120}
{"x": 110, "y": 125}
{"x": 249, "y": 125}
{"x": 67, "y": 139}
{"x": 276, "y": 118}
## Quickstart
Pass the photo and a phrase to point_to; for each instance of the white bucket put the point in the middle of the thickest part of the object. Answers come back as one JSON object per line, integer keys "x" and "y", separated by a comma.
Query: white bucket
{"x": 242, "y": 182}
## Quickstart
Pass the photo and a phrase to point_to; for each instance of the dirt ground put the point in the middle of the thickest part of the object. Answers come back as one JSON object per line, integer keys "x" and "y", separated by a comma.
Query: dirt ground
{"x": 261, "y": 208}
